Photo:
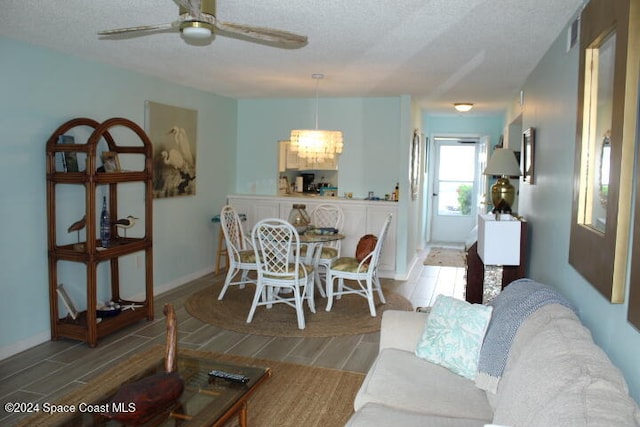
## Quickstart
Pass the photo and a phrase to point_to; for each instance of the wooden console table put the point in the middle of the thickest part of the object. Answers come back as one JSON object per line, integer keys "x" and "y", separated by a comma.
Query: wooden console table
{"x": 475, "y": 269}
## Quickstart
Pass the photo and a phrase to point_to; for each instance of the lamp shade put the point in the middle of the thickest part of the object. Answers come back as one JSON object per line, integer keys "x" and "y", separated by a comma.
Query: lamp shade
{"x": 503, "y": 162}
{"x": 316, "y": 144}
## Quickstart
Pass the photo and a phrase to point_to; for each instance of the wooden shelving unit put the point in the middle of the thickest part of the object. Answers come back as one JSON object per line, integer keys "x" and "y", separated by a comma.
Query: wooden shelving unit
{"x": 87, "y": 326}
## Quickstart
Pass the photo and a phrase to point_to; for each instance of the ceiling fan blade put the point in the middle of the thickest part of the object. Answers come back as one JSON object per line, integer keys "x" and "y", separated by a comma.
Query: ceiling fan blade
{"x": 281, "y": 38}
{"x": 174, "y": 24}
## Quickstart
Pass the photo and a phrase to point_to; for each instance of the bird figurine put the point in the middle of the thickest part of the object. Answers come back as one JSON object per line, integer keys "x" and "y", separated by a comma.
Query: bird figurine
{"x": 77, "y": 226}
{"x": 126, "y": 223}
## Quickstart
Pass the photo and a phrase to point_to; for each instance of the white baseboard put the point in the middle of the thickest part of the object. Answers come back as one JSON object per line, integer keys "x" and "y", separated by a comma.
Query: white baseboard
{"x": 17, "y": 347}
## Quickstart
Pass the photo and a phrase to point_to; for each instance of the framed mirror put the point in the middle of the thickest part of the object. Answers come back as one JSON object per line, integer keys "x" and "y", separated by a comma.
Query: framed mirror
{"x": 605, "y": 136}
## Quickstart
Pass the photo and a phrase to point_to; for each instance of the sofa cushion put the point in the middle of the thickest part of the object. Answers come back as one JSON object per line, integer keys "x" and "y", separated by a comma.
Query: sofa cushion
{"x": 453, "y": 335}
{"x": 554, "y": 370}
{"x": 373, "y": 414}
{"x": 587, "y": 402}
{"x": 401, "y": 329}
{"x": 400, "y": 379}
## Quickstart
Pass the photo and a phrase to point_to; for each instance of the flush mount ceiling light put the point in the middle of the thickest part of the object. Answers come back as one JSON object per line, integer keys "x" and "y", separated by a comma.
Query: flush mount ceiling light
{"x": 463, "y": 107}
{"x": 316, "y": 144}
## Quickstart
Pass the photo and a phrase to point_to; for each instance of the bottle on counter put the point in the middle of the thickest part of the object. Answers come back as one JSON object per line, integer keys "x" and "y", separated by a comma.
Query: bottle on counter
{"x": 105, "y": 225}
{"x": 299, "y": 218}
{"x": 396, "y": 192}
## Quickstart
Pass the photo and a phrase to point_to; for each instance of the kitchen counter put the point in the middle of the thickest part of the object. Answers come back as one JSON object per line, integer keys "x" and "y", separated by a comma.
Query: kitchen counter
{"x": 317, "y": 196}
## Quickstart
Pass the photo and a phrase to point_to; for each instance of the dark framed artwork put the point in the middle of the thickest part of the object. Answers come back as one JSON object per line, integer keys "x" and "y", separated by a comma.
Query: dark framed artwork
{"x": 110, "y": 161}
{"x": 527, "y": 156}
{"x": 173, "y": 132}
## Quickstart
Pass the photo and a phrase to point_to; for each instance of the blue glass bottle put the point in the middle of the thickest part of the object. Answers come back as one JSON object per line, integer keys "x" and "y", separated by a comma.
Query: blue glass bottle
{"x": 105, "y": 225}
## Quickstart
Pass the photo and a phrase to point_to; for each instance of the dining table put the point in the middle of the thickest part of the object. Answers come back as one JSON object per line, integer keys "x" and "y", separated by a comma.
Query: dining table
{"x": 314, "y": 240}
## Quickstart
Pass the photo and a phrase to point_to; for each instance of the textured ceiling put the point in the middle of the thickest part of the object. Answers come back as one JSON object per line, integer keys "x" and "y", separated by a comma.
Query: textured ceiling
{"x": 437, "y": 51}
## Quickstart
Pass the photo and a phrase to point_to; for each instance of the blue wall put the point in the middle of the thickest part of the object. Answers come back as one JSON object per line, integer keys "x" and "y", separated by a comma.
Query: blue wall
{"x": 377, "y": 134}
{"x": 551, "y": 94}
{"x": 40, "y": 90}
{"x": 372, "y": 130}
{"x": 460, "y": 125}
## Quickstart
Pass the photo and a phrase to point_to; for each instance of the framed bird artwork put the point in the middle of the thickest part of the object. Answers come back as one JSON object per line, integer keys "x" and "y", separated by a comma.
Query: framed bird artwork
{"x": 172, "y": 131}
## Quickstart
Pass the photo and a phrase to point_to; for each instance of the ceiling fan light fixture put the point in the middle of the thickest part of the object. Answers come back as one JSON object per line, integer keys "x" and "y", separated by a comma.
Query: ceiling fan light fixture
{"x": 196, "y": 30}
{"x": 463, "y": 107}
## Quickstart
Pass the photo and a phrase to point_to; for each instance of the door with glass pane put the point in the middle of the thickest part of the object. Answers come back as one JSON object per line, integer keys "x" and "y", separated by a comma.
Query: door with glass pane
{"x": 454, "y": 191}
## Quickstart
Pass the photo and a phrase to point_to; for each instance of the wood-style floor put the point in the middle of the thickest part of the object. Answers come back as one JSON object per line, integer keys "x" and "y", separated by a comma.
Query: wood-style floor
{"x": 54, "y": 368}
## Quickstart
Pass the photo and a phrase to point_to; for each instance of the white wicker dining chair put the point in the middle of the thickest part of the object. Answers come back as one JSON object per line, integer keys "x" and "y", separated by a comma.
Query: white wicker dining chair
{"x": 363, "y": 273}
{"x": 277, "y": 249}
{"x": 330, "y": 216}
{"x": 242, "y": 257}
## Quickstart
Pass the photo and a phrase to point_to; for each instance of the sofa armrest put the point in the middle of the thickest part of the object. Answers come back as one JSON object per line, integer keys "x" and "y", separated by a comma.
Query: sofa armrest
{"x": 401, "y": 329}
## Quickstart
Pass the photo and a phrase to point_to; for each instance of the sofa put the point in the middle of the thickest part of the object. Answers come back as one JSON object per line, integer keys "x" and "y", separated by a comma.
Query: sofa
{"x": 553, "y": 374}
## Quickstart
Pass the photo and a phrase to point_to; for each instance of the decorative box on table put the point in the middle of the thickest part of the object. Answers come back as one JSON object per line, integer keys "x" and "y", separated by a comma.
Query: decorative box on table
{"x": 499, "y": 239}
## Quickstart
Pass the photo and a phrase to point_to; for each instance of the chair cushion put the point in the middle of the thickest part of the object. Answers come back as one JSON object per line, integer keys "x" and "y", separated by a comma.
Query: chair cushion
{"x": 349, "y": 265}
{"x": 453, "y": 335}
{"x": 328, "y": 253}
{"x": 248, "y": 257}
{"x": 301, "y": 272}
{"x": 366, "y": 245}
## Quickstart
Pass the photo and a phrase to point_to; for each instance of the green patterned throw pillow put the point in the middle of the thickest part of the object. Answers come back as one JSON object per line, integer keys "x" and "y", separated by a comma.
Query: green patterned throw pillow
{"x": 453, "y": 335}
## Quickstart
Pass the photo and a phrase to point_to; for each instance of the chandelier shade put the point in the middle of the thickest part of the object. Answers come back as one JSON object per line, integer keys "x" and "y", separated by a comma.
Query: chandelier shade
{"x": 315, "y": 143}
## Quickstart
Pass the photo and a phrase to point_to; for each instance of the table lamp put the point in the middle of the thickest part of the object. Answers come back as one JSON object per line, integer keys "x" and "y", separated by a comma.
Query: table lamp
{"x": 503, "y": 163}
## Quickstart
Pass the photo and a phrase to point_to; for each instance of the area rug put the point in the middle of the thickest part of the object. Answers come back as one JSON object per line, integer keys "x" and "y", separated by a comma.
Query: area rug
{"x": 295, "y": 395}
{"x": 348, "y": 316}
{"x": 446, "y": 257}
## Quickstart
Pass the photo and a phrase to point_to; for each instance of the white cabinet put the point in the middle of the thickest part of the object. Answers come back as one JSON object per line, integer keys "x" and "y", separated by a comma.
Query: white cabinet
{"x": 355, "y": 226}
{"x": 255, "y": 209}
{"x": 326, "y": 164}
{"x": 360, "y": 217}
{"x": 376, "y": 216}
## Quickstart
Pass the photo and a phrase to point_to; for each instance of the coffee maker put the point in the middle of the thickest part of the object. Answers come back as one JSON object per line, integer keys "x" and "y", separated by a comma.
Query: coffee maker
{"x": 307, "y": 182}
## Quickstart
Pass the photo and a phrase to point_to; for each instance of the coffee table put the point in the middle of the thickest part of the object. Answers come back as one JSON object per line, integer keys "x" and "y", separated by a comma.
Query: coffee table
{"x": 204, "y": 401}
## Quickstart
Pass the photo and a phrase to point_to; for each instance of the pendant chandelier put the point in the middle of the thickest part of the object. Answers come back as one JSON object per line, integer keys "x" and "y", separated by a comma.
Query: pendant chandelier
{"x": 316, "y": 144}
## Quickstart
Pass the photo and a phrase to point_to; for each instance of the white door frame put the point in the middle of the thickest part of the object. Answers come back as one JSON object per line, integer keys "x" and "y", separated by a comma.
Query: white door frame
{"x": 483, "y": 143}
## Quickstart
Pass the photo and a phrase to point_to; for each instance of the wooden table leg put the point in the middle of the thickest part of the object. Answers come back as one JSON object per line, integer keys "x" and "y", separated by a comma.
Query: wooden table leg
{"x": 242, "y": 415}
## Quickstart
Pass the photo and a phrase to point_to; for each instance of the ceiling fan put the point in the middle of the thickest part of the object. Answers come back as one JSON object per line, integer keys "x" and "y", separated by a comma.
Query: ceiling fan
{"x": 198, "y": 23}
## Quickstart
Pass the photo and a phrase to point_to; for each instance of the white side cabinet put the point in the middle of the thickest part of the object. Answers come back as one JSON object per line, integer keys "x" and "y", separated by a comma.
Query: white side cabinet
{"x": 360, "y": 217}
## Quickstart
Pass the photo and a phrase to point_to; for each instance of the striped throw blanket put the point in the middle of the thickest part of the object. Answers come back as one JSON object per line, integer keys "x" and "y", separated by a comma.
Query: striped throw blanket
{"x": 516, "y": 302}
